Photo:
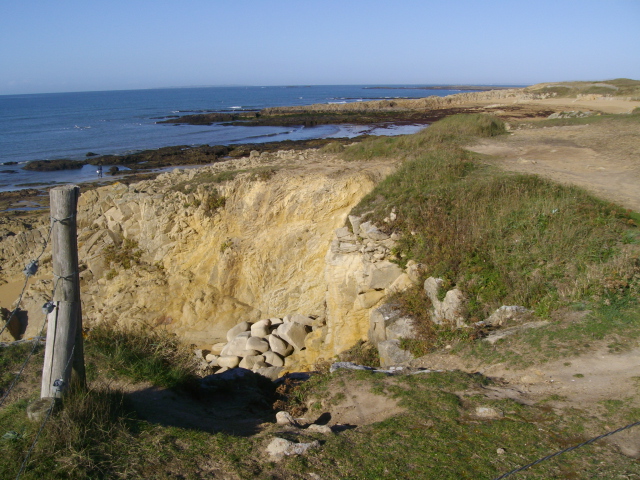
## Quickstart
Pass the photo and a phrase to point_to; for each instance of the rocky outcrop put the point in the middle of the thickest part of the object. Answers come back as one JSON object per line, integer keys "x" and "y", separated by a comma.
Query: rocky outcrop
{"x": 259, "y": 253}
{"x": 201, "y": 273}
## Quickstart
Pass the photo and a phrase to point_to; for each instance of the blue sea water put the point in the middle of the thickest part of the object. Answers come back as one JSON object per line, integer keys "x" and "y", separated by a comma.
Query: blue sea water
{"x": 69, "y": 125}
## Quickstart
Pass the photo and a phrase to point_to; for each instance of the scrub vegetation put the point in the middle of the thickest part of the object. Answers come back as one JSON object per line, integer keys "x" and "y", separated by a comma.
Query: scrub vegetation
{"x": 502, "y": 238}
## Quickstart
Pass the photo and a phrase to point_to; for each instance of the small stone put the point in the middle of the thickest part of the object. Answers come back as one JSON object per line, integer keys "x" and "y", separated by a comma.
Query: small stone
{"x": 501, "y": 451}
{"x": 279, "y": 447}
{"x": 199, "y": 354}
{"x": 285, "y": 418}
{"x": 38, "y": 409}
{"x": 212, "y": 360}
{"x": 319, "y": 428}
{"x": 488, "y": 412}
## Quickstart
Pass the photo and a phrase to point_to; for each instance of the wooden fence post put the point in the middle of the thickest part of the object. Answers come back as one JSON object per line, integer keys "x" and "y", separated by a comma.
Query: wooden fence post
{"x": 64, "y": 347}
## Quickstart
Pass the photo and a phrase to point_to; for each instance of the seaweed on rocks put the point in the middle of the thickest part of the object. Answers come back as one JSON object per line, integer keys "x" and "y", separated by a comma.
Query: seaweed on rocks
{"x": 52, "y": 165}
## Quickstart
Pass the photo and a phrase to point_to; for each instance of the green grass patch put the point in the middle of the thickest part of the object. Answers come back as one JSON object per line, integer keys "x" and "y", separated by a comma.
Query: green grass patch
{"x": 205, "y": 178}
{"x": 502, "y": 238}
{"x": 439, "y": 435}
{"x": 141, "y": 354}
{"x": 616, "y": 326}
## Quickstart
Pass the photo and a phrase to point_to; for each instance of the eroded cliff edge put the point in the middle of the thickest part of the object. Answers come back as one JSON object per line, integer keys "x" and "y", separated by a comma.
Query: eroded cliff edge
{"x": 198, "y": 251}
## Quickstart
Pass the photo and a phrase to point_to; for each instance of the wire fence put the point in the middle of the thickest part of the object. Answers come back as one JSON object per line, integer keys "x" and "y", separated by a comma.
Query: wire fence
{"x": 45, "y": 419}
{"x": 566, "y": 450}
{"x": 30, "y": 270}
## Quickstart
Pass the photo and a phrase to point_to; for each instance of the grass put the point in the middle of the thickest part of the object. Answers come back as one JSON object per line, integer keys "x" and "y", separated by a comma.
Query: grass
{"x": 209, "y": 179}
{"x": 502, "y": 238}
{"x": 620, "y": 87}
{"x": 615, "y": 326}
{"x": 439, "y": 436}
{"x": 125, "y": 254}
{"x": 97, "y": 434}
{"x": 140, "y": 354}
{"x": 633, "y": 118}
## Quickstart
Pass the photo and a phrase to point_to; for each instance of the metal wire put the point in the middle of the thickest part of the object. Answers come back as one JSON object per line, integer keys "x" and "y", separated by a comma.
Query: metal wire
{"x": 35, "y": 345}
{"x": 35, "y": 440}
{"x": 30, "y": 270}
{"x": 36, "y": 342}
{"x": 548, "y": 457}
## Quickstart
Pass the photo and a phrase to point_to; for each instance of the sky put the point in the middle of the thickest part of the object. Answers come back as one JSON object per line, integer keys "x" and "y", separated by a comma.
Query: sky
{"x": 88, "y": 45}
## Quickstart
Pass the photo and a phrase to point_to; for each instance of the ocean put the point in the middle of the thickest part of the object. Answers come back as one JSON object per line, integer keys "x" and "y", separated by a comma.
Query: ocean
{"x": 69, "y": 125}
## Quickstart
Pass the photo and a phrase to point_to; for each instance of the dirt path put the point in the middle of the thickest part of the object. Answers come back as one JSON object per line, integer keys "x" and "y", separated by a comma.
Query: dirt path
{"x": 603, "y": 157}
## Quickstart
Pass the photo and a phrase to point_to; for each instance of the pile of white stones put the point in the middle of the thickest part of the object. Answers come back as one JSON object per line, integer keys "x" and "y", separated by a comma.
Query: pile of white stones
{"x": 261, "y": 346}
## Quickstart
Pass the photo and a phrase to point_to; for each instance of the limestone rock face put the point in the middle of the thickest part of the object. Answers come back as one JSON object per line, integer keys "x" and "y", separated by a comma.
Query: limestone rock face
{"x": 276, "y": 246}
{"x": 259, "y": 256}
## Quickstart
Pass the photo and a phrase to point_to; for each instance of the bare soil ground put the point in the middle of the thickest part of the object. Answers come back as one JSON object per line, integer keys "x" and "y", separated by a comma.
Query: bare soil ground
{"x": 603, "y": 157}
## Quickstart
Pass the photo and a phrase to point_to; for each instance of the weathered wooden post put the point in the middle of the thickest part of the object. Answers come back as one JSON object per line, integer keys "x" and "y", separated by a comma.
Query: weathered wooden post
{"x": 64, "y": 347}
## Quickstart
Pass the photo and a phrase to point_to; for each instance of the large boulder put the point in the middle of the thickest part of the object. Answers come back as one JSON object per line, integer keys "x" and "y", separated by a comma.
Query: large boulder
{"x": 257, "y": 343}
{"x": 402, "y": 328}
{"x": 299, "y": 318}
{"x": 272, "y": 373}
{"x": 239, "y": 328}
{"x": 391, "y": 353}
{"x": 272, "y": 358}
{"x": 236, "y": 346}
{"x": 293, "y": 333}
{"x": 261, "y": 328}
{"x": 380, "y": 319}
{"x": 370, "y": 231}
{"x": 228, "y": 361}
{"x": 381, "y": 275}
{"x": 250, "y": 361}
{"x": 279, "y": 346}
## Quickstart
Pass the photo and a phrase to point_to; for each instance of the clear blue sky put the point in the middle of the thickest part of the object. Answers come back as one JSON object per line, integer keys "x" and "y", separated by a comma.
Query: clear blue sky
{"x": 77, "y": 45}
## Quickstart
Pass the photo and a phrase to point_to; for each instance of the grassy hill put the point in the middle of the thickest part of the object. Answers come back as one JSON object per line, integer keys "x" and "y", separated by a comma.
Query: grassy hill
{"x": 619, "y": 87}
